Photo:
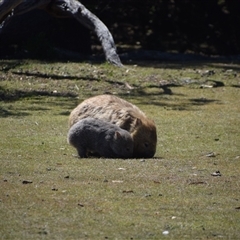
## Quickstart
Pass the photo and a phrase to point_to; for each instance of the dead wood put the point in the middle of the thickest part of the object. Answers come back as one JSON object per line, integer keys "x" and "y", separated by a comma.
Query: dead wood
{"x": 64, "y": 8}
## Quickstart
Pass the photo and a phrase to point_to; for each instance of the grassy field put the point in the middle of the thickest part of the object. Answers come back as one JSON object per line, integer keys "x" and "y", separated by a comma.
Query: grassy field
{"x": 189, "y": 190}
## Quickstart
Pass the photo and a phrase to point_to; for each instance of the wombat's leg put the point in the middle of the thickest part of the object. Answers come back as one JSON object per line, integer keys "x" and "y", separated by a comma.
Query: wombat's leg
{"x": 82, "y": 152}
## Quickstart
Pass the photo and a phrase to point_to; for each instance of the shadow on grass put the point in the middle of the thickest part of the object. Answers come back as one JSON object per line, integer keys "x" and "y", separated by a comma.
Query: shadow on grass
{"x": 8, "y": 65}
{"x": 144, "y": 58}
{"x": 202, "y": 101}
{"x": 153, "y": 94}
{"x": 158, "y": 99}
{"x": 36, "y": 102}
{"x": 158, "y": 59}
{"x": 4, "y": 113}
{"x": 55, "y": 76}
{"x": 67, "y": 100}
{"x": 14, "y": 95}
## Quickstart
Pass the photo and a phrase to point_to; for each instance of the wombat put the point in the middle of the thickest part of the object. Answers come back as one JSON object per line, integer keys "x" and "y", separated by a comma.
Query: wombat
{"x": 103, "y": 138}
{"x": 125, "y": 115}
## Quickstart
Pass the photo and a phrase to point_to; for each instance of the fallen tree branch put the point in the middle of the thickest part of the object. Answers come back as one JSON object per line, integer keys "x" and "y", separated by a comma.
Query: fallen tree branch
{"x": 6, "y": 7}
{"x": 63, "y": 8}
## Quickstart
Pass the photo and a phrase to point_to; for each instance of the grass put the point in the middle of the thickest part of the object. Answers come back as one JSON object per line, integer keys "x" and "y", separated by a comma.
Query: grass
{"x": 47, "y": 193}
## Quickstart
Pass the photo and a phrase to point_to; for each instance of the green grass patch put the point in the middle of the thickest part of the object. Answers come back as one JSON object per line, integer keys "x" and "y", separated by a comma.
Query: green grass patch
{"x": 48, "y": 193}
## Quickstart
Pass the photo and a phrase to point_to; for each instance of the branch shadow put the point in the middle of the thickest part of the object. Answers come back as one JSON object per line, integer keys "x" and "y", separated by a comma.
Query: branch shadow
{"x": 55, "y": 76}
{"x": 15, "y": 95}
{"x": 4, "y": 113}
{"x": 8, "y": 65}
{"x": 161, "y": 99}
{"x": 152, "y": 94}
{"x": 66, "y": 100}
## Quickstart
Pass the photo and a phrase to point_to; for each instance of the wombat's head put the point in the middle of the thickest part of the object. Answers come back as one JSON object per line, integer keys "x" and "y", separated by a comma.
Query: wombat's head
{"x": 122, "y": 144}
{"x": 145, "y": 138}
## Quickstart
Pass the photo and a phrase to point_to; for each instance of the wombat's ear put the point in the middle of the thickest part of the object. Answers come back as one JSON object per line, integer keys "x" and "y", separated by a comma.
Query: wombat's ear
{"x": 138, "y": 122}
{"x": 117, "y": 135}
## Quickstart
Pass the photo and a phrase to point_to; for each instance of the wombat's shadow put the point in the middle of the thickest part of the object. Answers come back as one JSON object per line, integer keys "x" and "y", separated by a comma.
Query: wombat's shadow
{"x": 94, "y": 156}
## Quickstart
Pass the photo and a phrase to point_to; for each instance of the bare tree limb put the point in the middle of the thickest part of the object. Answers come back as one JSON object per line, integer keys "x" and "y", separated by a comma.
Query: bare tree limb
{"x": 7, "y": 6}
{"x": 89, "y": 20}
{"x": 28, "y": 5}
{"x": 63, "y": 8}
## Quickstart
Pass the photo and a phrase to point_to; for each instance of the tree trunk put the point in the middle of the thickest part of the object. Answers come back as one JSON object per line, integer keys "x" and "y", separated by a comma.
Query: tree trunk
{"x": 63, "y": 8}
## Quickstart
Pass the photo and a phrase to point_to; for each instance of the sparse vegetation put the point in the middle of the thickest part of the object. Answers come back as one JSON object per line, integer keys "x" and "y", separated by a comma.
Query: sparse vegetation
{"x": 189, "y": 190}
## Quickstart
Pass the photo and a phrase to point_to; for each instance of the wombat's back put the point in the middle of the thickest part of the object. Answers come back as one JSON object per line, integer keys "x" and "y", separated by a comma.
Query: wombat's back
{"x": 106, "y": 107}
{"x": 104, "y": 138}
{"x": 125, "y": 115}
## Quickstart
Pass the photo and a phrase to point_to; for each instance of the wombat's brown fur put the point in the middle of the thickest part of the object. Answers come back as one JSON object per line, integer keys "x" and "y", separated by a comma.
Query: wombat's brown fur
{"x": 125, "y": 115}
{"x": 101, "y": 137}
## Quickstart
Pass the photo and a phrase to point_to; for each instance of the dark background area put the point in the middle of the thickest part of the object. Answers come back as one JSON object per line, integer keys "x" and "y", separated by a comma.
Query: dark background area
{"x": 209, "y": 27}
